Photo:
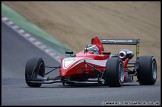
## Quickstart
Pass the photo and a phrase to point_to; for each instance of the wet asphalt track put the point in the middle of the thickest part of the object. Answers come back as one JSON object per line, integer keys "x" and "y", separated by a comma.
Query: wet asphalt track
{"x": 15, "y": 52}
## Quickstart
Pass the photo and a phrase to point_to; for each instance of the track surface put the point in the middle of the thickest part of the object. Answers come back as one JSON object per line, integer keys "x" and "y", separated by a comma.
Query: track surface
{"x": 15, "y": 52}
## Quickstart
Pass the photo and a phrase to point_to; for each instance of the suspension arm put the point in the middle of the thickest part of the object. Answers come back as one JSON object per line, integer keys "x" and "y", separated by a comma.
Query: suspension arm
{"x": 52, "y": 69}
{"x": 95, "y": 69}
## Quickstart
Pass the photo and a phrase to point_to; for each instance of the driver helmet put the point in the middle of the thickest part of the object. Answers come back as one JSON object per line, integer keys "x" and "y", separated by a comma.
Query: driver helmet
{"x": 93, "y": 48}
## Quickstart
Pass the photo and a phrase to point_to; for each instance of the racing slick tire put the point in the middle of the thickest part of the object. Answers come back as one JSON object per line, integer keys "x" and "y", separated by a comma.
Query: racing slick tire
{"x": 147, "y": 71}
{"x": 34, "y": 67}
{"x": 114, "y": 74}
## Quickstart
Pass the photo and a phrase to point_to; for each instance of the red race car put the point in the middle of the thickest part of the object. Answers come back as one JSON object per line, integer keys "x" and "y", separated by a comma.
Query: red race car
{"x": 94, "y": 65}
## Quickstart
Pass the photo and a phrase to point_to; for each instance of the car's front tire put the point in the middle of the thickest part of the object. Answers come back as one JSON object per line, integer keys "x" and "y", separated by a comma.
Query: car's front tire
{"x": 34, "y": 67}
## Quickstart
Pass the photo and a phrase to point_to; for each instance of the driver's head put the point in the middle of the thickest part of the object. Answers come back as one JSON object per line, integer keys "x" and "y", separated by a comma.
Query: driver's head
{"x": 92, "y": 48}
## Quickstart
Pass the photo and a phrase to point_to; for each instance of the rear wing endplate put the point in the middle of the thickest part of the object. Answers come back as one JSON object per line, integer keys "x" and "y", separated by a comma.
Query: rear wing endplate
{"x": 123, "y": 42}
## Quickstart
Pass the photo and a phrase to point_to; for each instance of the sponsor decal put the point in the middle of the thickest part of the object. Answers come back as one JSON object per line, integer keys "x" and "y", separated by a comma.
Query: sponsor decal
{"x": 118, "y": 41}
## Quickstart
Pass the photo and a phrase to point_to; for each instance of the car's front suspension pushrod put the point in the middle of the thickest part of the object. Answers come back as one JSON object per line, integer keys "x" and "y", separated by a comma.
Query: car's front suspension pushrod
{"x": 52, "y": 69}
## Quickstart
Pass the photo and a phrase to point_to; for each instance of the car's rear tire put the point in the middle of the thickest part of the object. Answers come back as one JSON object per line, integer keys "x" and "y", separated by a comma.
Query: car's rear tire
{"x": 114, "y": 74}
{"x": 34, "y": 67}
{"x": 147, "y": 71}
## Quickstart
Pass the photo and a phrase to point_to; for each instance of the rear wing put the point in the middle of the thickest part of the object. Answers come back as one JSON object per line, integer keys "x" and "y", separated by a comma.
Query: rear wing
{"x": 123, "y": 42}
{"x": 120, "y": 41}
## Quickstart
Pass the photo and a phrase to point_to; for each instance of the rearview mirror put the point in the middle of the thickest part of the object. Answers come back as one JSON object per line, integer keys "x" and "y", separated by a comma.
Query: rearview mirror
{"x": 69, "y": 52}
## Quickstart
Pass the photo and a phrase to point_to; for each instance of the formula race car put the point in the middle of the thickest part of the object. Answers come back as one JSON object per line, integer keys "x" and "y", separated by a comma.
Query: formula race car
{"x": 94, "y": 65}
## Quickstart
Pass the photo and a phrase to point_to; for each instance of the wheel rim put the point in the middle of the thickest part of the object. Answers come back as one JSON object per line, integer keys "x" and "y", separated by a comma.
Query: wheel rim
{"x": 121, "y": 72}
{"x": 154, "y": 70}
{"x": 41, "y": 70}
